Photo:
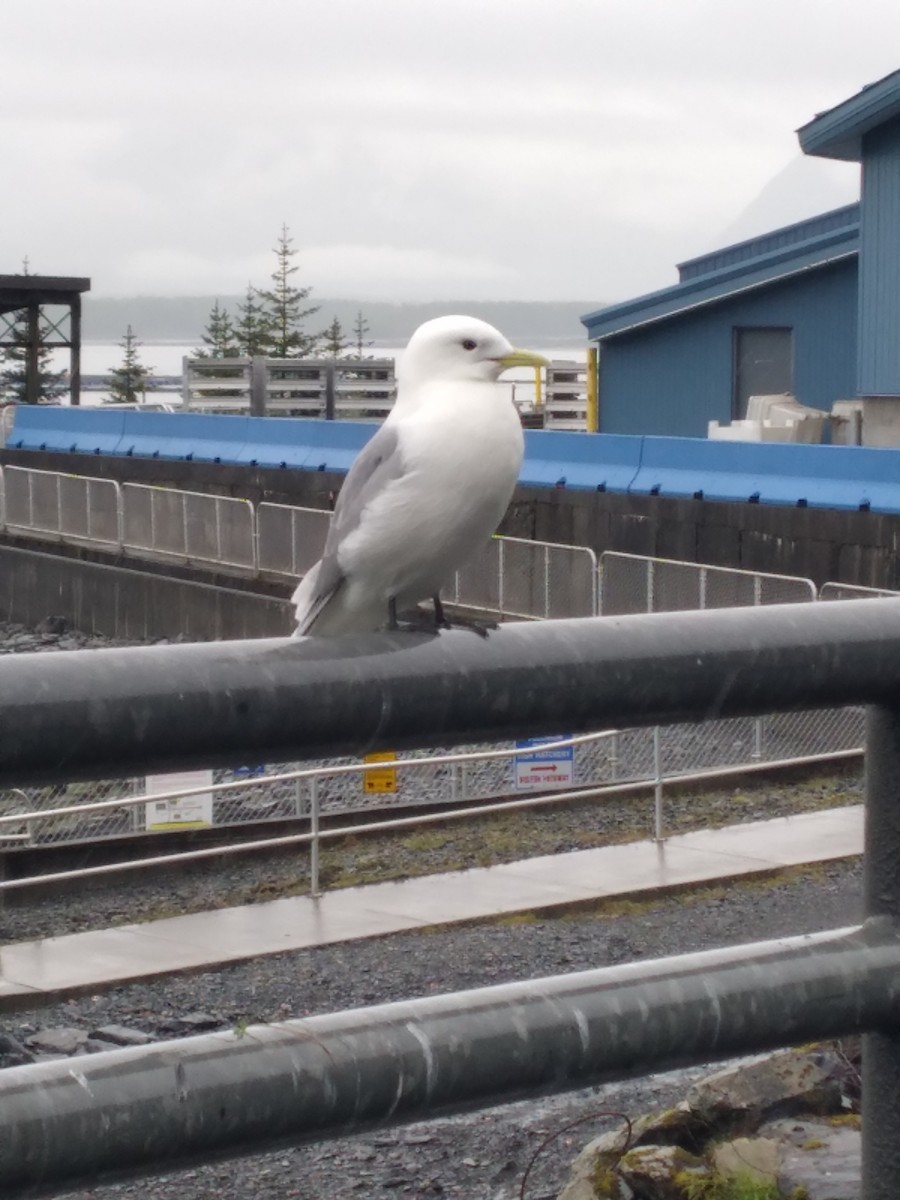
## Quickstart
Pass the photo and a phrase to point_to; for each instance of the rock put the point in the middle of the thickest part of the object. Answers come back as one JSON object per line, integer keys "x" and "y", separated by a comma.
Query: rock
{"x": 582, "y": 1183}
{"x": 669, "y": 1127}
{"x": 774, "y": 1086}
{"x": 758, "y": 1157}
{"x": 193, "y": 1022}
{"x": 61, "y": 1041}
{"x": 823, "y": 1157}
{"x": 120, "y": 1035}
{"x": 650, "y": 1171}
{"x": 13, "y": 1053}
{"x": 795, "y": 1148}
{"x": 55, "y": 625}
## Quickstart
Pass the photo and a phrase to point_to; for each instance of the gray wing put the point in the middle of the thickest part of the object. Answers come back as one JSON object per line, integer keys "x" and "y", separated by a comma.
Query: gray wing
{"x": 377, "y": 464}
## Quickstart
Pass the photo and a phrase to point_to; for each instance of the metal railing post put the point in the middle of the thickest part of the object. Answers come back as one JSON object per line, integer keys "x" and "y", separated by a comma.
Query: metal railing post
{"x": 314, "y": 889}
{"x": 658, "y": 830}
{"x": 881, "y": 890}
{"x": 300, "y": 790}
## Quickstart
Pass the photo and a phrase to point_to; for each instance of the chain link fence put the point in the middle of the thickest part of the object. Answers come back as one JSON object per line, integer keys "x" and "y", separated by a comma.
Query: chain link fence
{"x": 630, "y": 584}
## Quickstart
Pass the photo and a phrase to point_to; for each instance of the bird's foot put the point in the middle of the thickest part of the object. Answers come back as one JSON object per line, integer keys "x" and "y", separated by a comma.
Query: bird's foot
{"x": 442, "y": 621}
{"x": 482, "y": 628}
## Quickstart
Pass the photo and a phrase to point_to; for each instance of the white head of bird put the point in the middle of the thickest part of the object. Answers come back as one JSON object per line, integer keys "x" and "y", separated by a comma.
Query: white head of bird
{"x": 459, "y": 349}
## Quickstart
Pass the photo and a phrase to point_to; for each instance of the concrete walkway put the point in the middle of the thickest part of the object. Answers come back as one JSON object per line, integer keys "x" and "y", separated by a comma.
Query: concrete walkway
{"x": 35, "y": 973}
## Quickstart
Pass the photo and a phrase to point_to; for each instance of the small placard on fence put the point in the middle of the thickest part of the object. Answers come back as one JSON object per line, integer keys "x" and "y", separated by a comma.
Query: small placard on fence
{"x": 183, "y": 812}
{"x": 541, "y": 768}
{"x": 380, "y": 779}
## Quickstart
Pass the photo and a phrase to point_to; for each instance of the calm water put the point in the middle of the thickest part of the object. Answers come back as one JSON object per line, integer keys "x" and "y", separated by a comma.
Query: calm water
{"x": 165, "y": 358}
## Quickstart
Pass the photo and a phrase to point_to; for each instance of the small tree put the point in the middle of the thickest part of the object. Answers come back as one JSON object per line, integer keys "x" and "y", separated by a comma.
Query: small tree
{"x": 13, "y": 379}
{"x": 252, "y": 330}
{"x": 219, "y": 336}
{"x": 283, "y": 305}
{"x": 333, "y": 341}
{"x": 360, "y": 330}
{"x": 128, "y": 381}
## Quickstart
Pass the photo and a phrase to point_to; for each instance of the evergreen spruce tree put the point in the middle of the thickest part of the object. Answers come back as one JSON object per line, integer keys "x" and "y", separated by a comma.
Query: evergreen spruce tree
{"x": 360, "y": 329}
{"x": 219, "y": 336}
{"x": 283, "y": 304}
{"x": 334, "y": 343}
{"x": 14, "y": 359}
{"x": 252, "y": 331}
{"x": 128, "y": 381}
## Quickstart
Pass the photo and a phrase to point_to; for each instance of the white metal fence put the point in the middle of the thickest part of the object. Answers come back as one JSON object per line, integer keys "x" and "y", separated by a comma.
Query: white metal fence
{"x": 188, "y": 526}
{"x": 509, "y": 577}
{"x": 68, "y": 507}
{"x": 630, "y": 583}
{"x": 289, "y": 540}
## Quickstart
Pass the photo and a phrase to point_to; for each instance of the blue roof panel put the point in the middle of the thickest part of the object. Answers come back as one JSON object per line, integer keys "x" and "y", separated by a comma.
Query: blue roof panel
{"x": 838, "y": 132}
{"x": 731, "y": 280}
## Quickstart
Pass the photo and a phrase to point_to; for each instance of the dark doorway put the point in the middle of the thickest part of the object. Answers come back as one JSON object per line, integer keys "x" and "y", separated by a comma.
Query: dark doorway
{"x": 763, "y": 365}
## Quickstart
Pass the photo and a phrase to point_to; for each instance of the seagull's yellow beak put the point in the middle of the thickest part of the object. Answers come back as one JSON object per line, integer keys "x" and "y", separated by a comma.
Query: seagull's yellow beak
{"x": 522, "y": 358}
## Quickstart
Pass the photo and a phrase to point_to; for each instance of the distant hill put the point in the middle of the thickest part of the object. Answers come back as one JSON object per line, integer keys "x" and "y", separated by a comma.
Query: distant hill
{"x": 183, "y": 318}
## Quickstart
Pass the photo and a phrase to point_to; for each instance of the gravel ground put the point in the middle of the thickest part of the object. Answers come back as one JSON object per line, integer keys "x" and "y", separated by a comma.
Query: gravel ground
{"x": 481, "y": 1156}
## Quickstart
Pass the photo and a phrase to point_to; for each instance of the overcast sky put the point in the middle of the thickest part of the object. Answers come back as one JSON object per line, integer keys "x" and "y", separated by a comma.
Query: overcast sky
{"x": 417, "y": 149}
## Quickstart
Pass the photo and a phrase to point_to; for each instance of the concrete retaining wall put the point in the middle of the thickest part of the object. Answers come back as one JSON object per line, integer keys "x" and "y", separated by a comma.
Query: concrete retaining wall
{"x": 123, "y": 603}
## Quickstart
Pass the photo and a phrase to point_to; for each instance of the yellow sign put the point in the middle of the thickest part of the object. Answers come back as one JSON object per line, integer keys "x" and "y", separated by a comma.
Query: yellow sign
{"x": 382, "y": 779}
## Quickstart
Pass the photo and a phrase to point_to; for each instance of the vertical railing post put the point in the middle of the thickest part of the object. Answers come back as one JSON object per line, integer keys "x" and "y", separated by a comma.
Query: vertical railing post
{"x": 501, "y": 581}
{"x": 658, "y": 826}
{"x": 314, "y": 890}
{"x": 881, "y": 891}
{"x": 217, "y": 501}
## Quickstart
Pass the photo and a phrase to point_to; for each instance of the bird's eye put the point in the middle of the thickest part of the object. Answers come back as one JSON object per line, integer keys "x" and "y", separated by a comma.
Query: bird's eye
{"x": 468, "y": 344}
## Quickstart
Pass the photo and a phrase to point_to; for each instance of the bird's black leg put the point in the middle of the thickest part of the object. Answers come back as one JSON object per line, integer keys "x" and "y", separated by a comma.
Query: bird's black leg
{"x": 442, "y": 621}
{"x": 392, "y": 622}
{"x": 440, "y": 617}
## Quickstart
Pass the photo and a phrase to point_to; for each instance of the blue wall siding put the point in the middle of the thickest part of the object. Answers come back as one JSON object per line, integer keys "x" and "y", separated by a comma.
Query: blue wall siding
{"x": 674, "y": 377}
{"x": 879, "y": 279}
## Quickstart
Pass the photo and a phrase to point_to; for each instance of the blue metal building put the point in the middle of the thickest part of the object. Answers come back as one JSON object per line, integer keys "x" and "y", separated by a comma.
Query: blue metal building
{"x": 773, "y": 314}
{"x": 812, "y": 309}
{"x": 866, "y": 129}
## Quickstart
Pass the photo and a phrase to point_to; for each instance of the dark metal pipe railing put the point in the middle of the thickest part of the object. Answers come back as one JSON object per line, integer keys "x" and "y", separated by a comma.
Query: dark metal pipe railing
{"x": 100, "y": 713}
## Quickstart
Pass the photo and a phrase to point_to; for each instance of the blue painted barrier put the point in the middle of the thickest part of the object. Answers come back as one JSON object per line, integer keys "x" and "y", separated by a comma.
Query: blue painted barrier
{"x": 83, "y": 431}
{"x": 599, "y": 462}
{"x": 185, "y": 436}
{"x": 848, "y": 477}
{"x": 312, "y": 445}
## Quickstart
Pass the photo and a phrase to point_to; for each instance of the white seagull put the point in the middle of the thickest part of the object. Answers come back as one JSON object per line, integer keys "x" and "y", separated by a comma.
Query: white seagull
{"x": 427, "y": 489}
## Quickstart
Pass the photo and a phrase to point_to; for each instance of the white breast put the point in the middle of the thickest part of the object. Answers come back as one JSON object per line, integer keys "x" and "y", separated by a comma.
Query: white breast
{"x": 462, "y": 447}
